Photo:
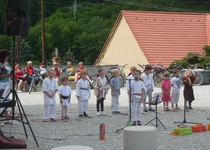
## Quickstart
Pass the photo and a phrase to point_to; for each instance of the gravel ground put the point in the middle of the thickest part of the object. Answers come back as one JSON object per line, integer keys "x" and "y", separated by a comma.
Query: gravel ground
{"x": 86, "y": 131}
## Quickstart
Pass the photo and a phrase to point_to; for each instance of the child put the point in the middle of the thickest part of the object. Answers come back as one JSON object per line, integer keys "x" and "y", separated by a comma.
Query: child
{"x": 175, "y": 83}
{"x": 115, "y": 87}
{"x": 83, "y": 94}
{"x": 188, "y": 80}
{"x": 101, "y": 90}
{"x": 147, "y": 77}
{"x": 128, "y": 84}
{"x": 137, "y": 91}
{"x": 166, "y": 88}
{"x": 49, "y": 88}
{"x": 65, "y": 97}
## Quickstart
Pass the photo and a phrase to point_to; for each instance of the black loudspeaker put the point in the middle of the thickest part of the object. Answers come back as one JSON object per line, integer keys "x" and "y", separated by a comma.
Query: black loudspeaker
{"x": 17, "y": 20}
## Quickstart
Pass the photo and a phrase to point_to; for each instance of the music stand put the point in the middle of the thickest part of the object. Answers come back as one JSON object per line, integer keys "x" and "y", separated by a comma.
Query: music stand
{"x": 184, "y": 120}
{"x": 16, "y": 100}
{"x": 156, "y": 101}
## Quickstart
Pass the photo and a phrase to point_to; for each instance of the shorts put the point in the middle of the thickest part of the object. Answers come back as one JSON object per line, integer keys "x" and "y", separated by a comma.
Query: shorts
{"x": 149, "y": 94}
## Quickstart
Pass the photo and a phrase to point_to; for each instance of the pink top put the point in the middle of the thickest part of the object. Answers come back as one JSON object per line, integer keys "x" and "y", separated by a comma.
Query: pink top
{"x": 166, "y": 87}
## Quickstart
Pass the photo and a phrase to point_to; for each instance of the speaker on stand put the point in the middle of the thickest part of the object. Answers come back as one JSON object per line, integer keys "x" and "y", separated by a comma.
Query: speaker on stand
{"x": 17, "y": 20}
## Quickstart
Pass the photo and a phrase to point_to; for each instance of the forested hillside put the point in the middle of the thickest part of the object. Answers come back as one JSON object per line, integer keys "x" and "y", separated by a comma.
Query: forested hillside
{"x": 81, "y": 31}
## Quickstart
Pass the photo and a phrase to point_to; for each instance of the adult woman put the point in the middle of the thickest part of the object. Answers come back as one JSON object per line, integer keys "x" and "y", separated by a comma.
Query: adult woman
{"x": 20, "y": 76}
{"x": 5, "y": 72}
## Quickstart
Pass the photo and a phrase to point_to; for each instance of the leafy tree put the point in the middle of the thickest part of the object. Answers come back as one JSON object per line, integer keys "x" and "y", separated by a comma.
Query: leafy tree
{"x": 5, "y": 42}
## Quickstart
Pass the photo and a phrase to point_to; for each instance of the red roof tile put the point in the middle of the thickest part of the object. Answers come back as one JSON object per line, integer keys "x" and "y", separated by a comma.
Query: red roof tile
{"x": 167, "y": 36}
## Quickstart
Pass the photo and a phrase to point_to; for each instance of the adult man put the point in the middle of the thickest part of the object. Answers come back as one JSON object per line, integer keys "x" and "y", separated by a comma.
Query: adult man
{"x": 70, "y": 71}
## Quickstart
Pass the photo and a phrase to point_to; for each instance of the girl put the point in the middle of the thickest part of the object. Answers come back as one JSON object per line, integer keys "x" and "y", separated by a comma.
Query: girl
{"x": 49, "y": 89}
{"x": 137, "y": 92}
{"x": 65, "y": 97}
{"x": 100, "y": 91}
{"x": 166, "y": 88}
{"x": 188, "y": 80}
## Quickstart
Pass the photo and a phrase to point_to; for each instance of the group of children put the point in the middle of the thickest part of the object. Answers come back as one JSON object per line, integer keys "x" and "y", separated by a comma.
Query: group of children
{"x": 50, "y": 88}
{"x": 173, "y": 95}
{"x": 138, "y": 86}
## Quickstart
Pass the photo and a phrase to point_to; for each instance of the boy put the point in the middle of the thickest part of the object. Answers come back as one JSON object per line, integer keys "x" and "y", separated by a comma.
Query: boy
{"x": 128, "y": 84}
{"x": 65, "y": 97}
{"x": 149, "y": 85}
{"x": 83, "y": 94}
{"x": 49, "y": 89}
{"x": 137, "y": 91}
{"x": 115, "y": 86}
{"x": 175, "y": 83}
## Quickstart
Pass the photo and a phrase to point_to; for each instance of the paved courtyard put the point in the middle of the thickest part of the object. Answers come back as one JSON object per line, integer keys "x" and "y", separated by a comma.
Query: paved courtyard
{"x": 86, "y": 130}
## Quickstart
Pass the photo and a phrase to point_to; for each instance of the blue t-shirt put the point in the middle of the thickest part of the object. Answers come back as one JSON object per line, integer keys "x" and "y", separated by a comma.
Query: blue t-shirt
{"x": 176, "y": 81}
{"x": 116, "y": 84}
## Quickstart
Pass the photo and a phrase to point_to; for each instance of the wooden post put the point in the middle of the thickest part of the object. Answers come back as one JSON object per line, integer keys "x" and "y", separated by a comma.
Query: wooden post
{"x": 43, "y": 33}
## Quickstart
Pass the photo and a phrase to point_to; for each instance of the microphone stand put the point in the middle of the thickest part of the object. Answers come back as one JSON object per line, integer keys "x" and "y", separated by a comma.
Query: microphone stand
{"x": 129, "y": 123}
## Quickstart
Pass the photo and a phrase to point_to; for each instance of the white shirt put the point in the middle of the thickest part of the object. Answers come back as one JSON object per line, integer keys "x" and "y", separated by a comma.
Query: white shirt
{"x": 148, "y": 80}
{"x": 42, "y": 70}
{"x": 83, "y": 89}
{"x": 129, "y": 79}
{"x": 65, "y": 91}
{"x": 136, "y": 88}
{"x": 49, "y": 85}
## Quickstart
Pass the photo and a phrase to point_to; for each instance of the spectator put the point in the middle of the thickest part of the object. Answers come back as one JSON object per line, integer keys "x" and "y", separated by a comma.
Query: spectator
{"x": 70, "y": 71}
{"x": 20, "y": 77}
{"x": 57, "y": 71}
{"x": 43, "y": 71}
{"x": 5, "y": 73}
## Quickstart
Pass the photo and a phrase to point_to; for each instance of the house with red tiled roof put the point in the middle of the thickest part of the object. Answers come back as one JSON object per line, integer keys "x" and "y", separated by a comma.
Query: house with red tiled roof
{"x": 154, "y": 37}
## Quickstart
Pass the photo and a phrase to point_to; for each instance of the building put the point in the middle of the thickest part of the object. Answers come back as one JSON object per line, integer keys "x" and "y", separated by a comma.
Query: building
{"x": 154, "y": 37}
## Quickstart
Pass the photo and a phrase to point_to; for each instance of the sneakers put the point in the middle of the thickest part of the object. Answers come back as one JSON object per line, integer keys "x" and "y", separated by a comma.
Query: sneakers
{"x": 19, "y": 91}
{"x": 190, "y": 107}
{"x": 98, "y": 113}
{"x": 85, "y": 115}
{"x": 103, "y": 113}
{"x": 139, "y": 123}
{"x": 167, "y": 109}
{"x": 81, "y": 116}
{"x": 145, "y": 109}
{"x": 53, "y": 120}
{"x": 134, "y": 123}
{"x": 45, "y": 120}
{"x": 174, "y": 109}
{"x": 67, "y": 117}
{"x": 62, "y": 117}
{"x": 151, "y": 109}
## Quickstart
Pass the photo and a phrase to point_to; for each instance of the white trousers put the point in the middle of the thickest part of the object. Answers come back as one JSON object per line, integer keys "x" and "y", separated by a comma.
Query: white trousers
{"x": 49, "y": 111}
{"x": 175, "y": 96}
{"x": 115, "y": 103}
{"x": 82, "y": 106}
{"x": 136, "y": 109}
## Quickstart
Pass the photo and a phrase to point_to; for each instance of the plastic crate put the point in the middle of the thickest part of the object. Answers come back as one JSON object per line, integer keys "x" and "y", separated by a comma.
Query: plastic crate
{"x": 183, "y": 131}
{"x": 198, "y": 128}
